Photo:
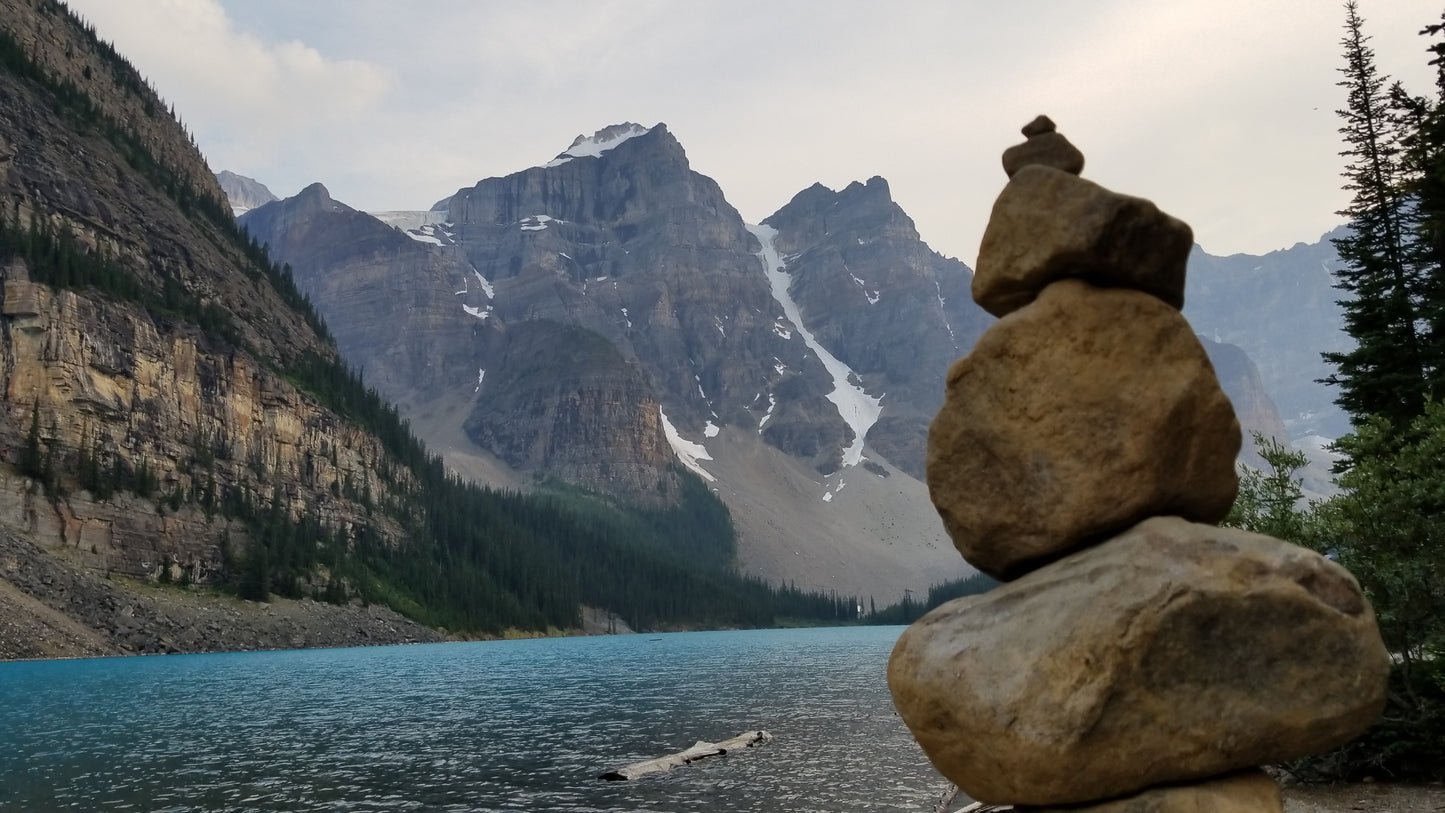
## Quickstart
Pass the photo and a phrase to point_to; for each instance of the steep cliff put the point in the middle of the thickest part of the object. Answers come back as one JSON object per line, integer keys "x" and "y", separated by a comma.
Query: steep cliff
{"x": 396, "y": 306}
{"x": 627, "y": 241}
{"x": 562, "y": 400}
{"x": 1253, "y": 405}
{"x": 1282, "y": 310}
{"x": 896, "y": 312}
{"x": 151, "y": 350}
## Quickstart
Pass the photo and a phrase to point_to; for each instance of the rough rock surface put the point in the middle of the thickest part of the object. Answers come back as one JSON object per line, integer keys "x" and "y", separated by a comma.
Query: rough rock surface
{"x": 130, "y": 385}
{"x": 1251, "y": 791}
{"x": 1247, "y": 792}
{"x": 1074, "y": 418}
{"x": 563, "y": 400}
{"x": 1239, "y": 378}
{"x": 1048, "y": 225}
{"x": 1171, "y": 653}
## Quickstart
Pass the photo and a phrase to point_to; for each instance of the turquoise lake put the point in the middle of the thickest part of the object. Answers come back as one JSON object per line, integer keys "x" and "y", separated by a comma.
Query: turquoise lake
{"x": 490, "y": 726}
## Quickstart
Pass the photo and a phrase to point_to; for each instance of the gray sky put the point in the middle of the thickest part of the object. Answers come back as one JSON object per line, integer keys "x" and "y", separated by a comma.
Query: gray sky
{"x": 1221, "y": 111}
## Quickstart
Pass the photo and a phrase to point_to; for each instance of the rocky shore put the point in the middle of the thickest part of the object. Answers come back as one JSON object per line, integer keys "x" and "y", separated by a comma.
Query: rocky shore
{"x": 1374, "y": 797}
{"x": 50, "y": 608}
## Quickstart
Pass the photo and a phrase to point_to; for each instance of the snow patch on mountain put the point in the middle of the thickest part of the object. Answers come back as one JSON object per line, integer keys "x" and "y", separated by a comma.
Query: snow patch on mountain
{"x": 486, "y": 286}
{"x": 872, "y": 296}
{"x": 689, "y": 453}
{"x": 858, "y": 409}
{"x": 537, "y": 222}
{"x": 772, "y": 404}
{"x": 942, "y": 307}
{"x": 487, "y": 289}
{"x": 599, "y": 142}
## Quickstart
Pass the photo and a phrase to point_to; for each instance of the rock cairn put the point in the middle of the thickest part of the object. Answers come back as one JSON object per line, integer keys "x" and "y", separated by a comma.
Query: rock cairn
{"x": 1139, "y": 658}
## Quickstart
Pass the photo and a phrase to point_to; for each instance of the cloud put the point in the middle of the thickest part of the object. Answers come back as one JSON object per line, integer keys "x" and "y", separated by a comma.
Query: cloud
{"x": 250, "y": 103}
{"x": 1222, "y": 111}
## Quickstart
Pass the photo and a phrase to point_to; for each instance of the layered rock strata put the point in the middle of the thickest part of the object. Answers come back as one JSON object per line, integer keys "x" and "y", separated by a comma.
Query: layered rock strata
{"x": 1141, "y": 656}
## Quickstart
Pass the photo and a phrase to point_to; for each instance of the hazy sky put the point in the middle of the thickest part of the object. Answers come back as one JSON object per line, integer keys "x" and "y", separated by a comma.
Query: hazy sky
{"x": 1221, "y": 111}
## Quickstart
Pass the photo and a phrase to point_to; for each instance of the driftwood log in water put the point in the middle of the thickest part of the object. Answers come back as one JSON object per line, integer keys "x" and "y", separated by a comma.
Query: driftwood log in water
{"x": 702, "y": 750}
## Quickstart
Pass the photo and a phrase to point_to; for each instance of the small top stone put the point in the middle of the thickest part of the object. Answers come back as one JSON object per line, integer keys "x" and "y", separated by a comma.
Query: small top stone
{"x": 1039, "y": 126}
{"x": 1045, "y": 146}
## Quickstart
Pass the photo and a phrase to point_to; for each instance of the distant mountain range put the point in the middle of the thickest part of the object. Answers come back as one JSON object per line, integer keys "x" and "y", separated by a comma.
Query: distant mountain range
{"x": 607, "y": 320}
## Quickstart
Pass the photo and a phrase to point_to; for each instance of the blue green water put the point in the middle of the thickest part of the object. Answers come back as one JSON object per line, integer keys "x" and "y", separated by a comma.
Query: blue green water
{"x": 508, "y": 725}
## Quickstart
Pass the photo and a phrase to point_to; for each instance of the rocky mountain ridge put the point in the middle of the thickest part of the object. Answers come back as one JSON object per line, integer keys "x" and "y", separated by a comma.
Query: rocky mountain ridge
{"x": 612, "y": 300}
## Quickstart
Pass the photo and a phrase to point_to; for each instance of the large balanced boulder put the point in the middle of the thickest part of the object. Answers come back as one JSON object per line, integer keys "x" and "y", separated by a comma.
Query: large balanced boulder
{"x": 1073, "y": 419}
{"x": 1171, "y": 653}
{"x": 1049, "y": 224}
{"x": 1245, "y": 792}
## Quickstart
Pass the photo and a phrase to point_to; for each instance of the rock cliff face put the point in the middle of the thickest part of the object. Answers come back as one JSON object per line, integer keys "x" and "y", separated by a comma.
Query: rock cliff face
{"x": 1281, "y": 310}
{"x": 1253, "y": 405}
{"x": 47, "y": 33}
{"x": 562, "y": 400}
{"x": 636, "y": 247}
{"x": 396, "y": 306}
{"x": 882, "y": 301}
{"x": 109, "y": 382}
{"x": 130, "y": 382}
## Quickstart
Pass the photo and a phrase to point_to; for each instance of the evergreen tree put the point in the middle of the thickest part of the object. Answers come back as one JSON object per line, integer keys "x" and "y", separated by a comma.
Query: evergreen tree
{"x": 1385, "y": 373}
{"x": 31, "y": 465}
{"x": 1386, "y": 526}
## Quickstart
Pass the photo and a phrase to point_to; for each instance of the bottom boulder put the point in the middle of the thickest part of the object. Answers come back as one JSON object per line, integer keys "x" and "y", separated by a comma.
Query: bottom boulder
{"x": 1170, "y": 653}
{"x": 1245, "y": 792}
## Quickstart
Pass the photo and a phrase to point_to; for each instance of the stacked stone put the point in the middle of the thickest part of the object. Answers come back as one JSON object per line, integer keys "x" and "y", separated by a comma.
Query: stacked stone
{"x": 1138, "y": 657}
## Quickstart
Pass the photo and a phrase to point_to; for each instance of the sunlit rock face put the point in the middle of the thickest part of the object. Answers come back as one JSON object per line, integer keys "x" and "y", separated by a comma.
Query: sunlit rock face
{"x": 1074, "y": 418}
{"x": 179, "y": 373}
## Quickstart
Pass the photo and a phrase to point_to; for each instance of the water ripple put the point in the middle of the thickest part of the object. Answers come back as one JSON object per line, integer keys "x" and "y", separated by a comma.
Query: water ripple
{"x": 496, "y": 726}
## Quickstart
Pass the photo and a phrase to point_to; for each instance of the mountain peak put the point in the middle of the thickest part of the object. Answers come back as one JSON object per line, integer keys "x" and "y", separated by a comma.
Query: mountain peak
{"x": 316, "y": 196}
{"x": 584, "y": 146}
{"x": 243, "y": 193}
{"x": 876, "y": 186}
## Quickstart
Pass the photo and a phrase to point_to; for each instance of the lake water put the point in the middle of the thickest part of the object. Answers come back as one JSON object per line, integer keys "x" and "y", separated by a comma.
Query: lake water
{"x": 506, "y": 725}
